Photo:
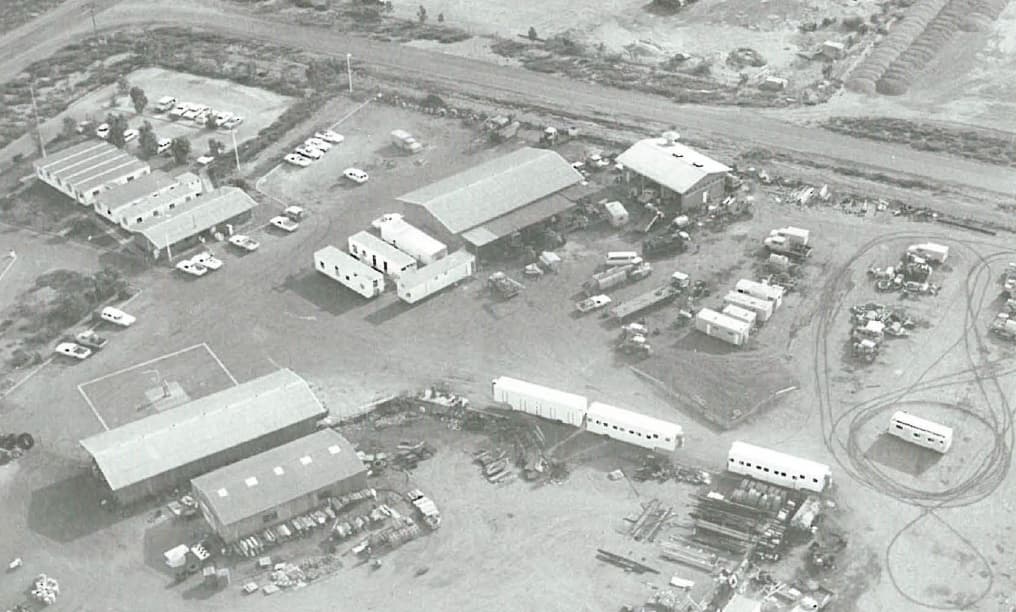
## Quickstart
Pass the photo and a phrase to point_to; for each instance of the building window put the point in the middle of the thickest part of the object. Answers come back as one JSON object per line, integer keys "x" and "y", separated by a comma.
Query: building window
{"x": 140, "y": 219}
{"x": 172, "y": 206}
{"x": 269, "y": 517}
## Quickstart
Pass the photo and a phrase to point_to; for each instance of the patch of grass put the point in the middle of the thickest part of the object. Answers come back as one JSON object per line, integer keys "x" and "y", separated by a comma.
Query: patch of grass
{"x": 15, "y": 13}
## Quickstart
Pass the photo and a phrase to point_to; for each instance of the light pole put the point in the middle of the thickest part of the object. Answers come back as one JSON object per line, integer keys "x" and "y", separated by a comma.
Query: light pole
{"x": 236, "y": 151}
{"x": 35, "y": 111}
{"x": 349, "y": 71}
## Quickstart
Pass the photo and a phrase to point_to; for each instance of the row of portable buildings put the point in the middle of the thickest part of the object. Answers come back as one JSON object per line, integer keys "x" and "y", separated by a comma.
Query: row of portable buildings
{"x": 419, "y": 265}
{"x": 747, "y": 306}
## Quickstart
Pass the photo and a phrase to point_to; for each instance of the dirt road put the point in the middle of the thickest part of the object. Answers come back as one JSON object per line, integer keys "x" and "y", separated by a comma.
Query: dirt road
{"x": 473, "y": 77}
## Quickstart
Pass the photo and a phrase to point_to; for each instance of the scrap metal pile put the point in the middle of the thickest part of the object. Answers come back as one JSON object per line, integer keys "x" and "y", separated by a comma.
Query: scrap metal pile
{"x": 649, "y": 523}
{"x": 13, "y": 446}
{"x": 912, "y": 274}
{"x": 659, "y": 469}
{"x": 871, "y": 324}
{"x": 494, "y": 465}
{"x": 45, "y": 589}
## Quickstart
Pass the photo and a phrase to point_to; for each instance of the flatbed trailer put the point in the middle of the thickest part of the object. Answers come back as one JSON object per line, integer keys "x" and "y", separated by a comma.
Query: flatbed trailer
{"x": 650, "y": 299}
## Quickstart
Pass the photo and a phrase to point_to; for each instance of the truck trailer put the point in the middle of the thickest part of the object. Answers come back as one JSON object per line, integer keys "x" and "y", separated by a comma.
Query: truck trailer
{"x": 419, "y": 284}
{"x": 349, "y": 272}
{"x": 723, "y": 327}
{"x": 408, "y": 239}
{"x": 380, "y": 255}
{"x": 540, "y": 401}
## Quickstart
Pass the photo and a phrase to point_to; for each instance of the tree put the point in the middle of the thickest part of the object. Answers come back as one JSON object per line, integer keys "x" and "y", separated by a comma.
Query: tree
{"x": 122, "y": 86}
{"x": 440, "y": 17}
{"x": 210, "y": 121}
{"x": 138, "y": 99}
{"x": 180, "y": 149}
{"x": 70, "y": 127}
{"x": 532, "y": 34}
{"x": 117, "y": 126}
{"x": 421, "y": 14}
{"x": 215, "y": 147}
{"x": 147, "y": 140}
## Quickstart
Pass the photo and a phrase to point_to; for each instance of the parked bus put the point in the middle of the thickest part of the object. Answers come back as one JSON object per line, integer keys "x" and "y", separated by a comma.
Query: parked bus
{"x": 921, "y": 432}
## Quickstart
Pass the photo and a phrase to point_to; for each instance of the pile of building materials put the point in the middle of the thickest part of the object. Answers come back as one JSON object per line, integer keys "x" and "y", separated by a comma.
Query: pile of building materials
{"x": 689, "y": 555}
{"x": 495, "y": 465}
{"x": 912, "y": 273}
{"x": 287, "y": 575}
{"x": 650, "y": 521}
{"x": 623, "y": 562}
{"x": 45, "y": 589}
{"x": 397, "y": 534}
{"x": 634, "y": 340}
{"x": 426, "y": 507}
{"x": 872, "y": 323}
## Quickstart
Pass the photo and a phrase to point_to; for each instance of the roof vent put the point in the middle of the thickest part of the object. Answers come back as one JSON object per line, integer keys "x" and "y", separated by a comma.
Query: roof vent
{"x": 251, "y": 482}
{"x": 223, "y": 493}
{"x": 306, "y": 460}
{"x": 279, "y": 471}
{"x": 334, "y": 449}
{"x": 697, "y": 164}
{"x": 678, "y": 155}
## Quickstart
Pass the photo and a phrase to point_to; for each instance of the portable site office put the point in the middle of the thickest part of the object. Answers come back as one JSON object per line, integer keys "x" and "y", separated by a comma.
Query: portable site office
{"x": 412, "y": 241}
{"x": 920, "y": 431}
{"x": 742, "y": 314}
{"x": 348, "y": 271}
{"x": 722, "y": 327}
{"x": 380, "y": 255}
{"x": 763, "y": 309}
{"x": 762, "y": 291}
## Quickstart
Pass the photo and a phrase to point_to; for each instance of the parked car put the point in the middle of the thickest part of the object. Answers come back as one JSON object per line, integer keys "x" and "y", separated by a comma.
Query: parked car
{"x": 222, "y": 117}
{"x": 179, "y": 110}
{"x": 130, "y": 134}
{"x": 310, "y": 152}
{"x": 356, "y": 175}
{"x": 165, "y": 103}
{"x": 102, "y": 131}
{"x": 296, "y": 213}
{"x": 190, "y": 113}
{"x": 330, "y": 136}
{"x": 201, "y": 119}
{"x": 117, "y": 317}
{"x": 204, "y": 160}
{"x": 84, "y": 126}
{"x": 90, "y": 339}
{"x": 318, "y": 144}
{"x": 244, "y": 242}
{"x": 189, "y": 267}
{"x": 232, "y": 122}
{"x": 284, "y": 223}
{"x": 207, "y": 260}
{"x": 163, "y": 146}
{"x": 298, "y": 160}
{"x": 70, "y": 349}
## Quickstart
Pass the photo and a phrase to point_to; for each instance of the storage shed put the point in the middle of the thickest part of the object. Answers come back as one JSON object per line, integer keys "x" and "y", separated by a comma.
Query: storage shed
{"x": 424, "y": 282}
{"x": 164, "y": 450}
{"x": 633, "y": 427}
{"x": 380, "y": 255}
{"x": 723, "y": 327}
{"x": 279, "y": 484}
{"x": 681, "y": 176}
{"x": 763, "y": 309}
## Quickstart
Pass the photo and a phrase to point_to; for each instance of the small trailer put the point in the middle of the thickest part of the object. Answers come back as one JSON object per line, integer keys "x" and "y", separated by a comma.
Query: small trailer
{"x": 930, "y": 251}
{"x": 349, "y": 272}
{"x": 641, "y": 303}
{"x": 432, "y": 278}
{"x": 380, "y": 255}
{"x": 723, "y": 327}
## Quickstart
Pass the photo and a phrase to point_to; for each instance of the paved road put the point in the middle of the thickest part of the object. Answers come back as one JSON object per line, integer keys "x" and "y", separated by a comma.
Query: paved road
{"x": 512, "y": 84}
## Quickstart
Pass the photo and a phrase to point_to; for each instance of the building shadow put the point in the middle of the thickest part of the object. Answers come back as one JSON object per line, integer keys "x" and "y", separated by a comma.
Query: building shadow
{"x": 702, "y": 343}
{"x": 900, "y": 455}
{"x": 390, "y": 311}
{"x": 70, "y": 509}
{"x": 328, "y": 295}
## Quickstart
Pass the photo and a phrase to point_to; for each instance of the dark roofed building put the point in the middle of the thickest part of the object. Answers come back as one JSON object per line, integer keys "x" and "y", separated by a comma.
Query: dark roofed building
{"x": 161, "y": 451}
{"x": 680, "y": 175}
{"x": 279, "y": 484}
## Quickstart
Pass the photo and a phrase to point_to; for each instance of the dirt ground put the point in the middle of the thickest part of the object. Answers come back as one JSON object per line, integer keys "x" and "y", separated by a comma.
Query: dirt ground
{"x": 269, "y": 309}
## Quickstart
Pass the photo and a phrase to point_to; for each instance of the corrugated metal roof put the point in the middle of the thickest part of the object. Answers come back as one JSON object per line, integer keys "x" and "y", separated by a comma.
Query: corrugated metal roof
{"x": 53, "y": 162}
{"x": 196, "y": 216}
{"x": 416, "y": 277}
{"x": 518, "y": 219}
{"x": 173, "y": 194}
{"x": 268, "y": 480}
{"x": 159, "y": 443}
{"x": 494, "y": 188}
{"x": 123, "y": 195}
{"x": 634, "y": 419}
{"x": 110, "y": 172}
{"x": 671, "y": 164}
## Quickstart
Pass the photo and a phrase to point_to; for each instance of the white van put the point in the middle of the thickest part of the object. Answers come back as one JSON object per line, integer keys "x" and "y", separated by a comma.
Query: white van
{"x": 163, "y": 146}
{"x": 623, "y": 258}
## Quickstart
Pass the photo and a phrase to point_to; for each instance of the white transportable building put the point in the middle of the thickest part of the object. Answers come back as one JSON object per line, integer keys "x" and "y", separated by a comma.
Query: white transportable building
{"x": 920, "y": 431}
{"x": 540, "y": 401}
{"x": 778, "y": 468}
{"x": 763, "y": 309}
{"x": 413, "y": 241}
{"x": 380, "y": 255}
{"x": 762, "y": 291}
{"x": 415, "y": 285}
{"x": 349, "y": 271}
{"x": 633, "y": 427}
{"x": 738, "y": 312}
{"x": 722, "y": 327}
{"x": 85, "y": 170}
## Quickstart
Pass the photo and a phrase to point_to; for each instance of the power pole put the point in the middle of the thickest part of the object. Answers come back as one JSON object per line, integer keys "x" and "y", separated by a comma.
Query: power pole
{"x": 35, "y": 111}
{"x": 91, "y": 11}
{"x": 236, "y": 150}
{"x": 349, "y": 71}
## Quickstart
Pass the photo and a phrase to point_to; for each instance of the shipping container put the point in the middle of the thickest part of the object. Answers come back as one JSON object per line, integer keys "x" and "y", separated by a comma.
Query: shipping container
{"x": 772, "y": 293}
{"x": 740, "y": 313}
{"x": 380, "y": 255}
{"x": 403, "y": 236}
{"x": 633, "y": 427}
{"x": 921, "y": 432}
{"x": 418, "y": 284}
{"x": 763, "y": 309}
{"x": 778, "y": 468}
{"x": 540, "y": 401}
{"x": 350, "y": 272}
{"x": 722, "y": 327}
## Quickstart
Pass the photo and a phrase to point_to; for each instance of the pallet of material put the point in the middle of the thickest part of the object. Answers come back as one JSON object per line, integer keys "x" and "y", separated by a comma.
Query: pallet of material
{"x": 689, "y": 556}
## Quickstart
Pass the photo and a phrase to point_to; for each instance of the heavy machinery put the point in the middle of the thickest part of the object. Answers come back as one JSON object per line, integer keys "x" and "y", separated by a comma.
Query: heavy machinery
{"x": 501, "y": 128}
{"x": 13, "y": 446}
{"x": 1004, "y": 326}
{"x": 1009, "y": 281}
{"x": 553, "y": 136}
{"x": 504, "y": 286}
{"x": 634, "y": 341}
{"x": 666, "y": 244}
{"x": 865, "y": 350}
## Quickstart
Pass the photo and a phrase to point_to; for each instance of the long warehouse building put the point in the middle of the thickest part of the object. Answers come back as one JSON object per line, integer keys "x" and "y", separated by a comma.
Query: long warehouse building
{"x": 278, "y": 484}
{"x": 159, "y": 452}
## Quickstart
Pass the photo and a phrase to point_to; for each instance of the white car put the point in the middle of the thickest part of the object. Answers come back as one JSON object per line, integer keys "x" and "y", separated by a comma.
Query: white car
{"x": 330, "y": 136}
{"x": 295, "y": 213}
{"x": 284, "y": 223}
{"x": 383, "y": 219}
{"x": 71, "y": 349}
{"x": 232, "y": 122}
{"x": 202, "y": 119}
{"x": 102, "y": 131}
{"x": 163, "y": 146}
{"x": 190, "y": 113}
{"x": 222, "y": 117}
{"x": 131, "y": 134}
{"x": 318, "y": 144}
{"x": 192, "y": 268}
{"x": 298, "y": 160}
{"x": 310, "y": 152}
{"x": 356, "y": 175}
{"x": 207, "y": 260}
{"x": 244, "y": 242}
{"x": 117, "y": 317}
{"x": 179, "y": 110}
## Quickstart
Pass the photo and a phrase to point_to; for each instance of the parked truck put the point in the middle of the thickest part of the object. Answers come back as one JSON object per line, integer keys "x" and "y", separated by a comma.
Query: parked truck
{"x": 404, "y": 141}
{"x": 617, "y": 276}
{"x": 789, "y": 241}
{"x": 1004, "y": 326}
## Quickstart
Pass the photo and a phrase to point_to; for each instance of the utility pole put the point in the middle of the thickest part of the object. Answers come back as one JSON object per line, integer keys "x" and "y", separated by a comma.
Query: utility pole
{"x": 35, "y": 111}
{"x": 236, "y": 151}
{"x": 91, "y": 11}
{"x": 349, "y": 71}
